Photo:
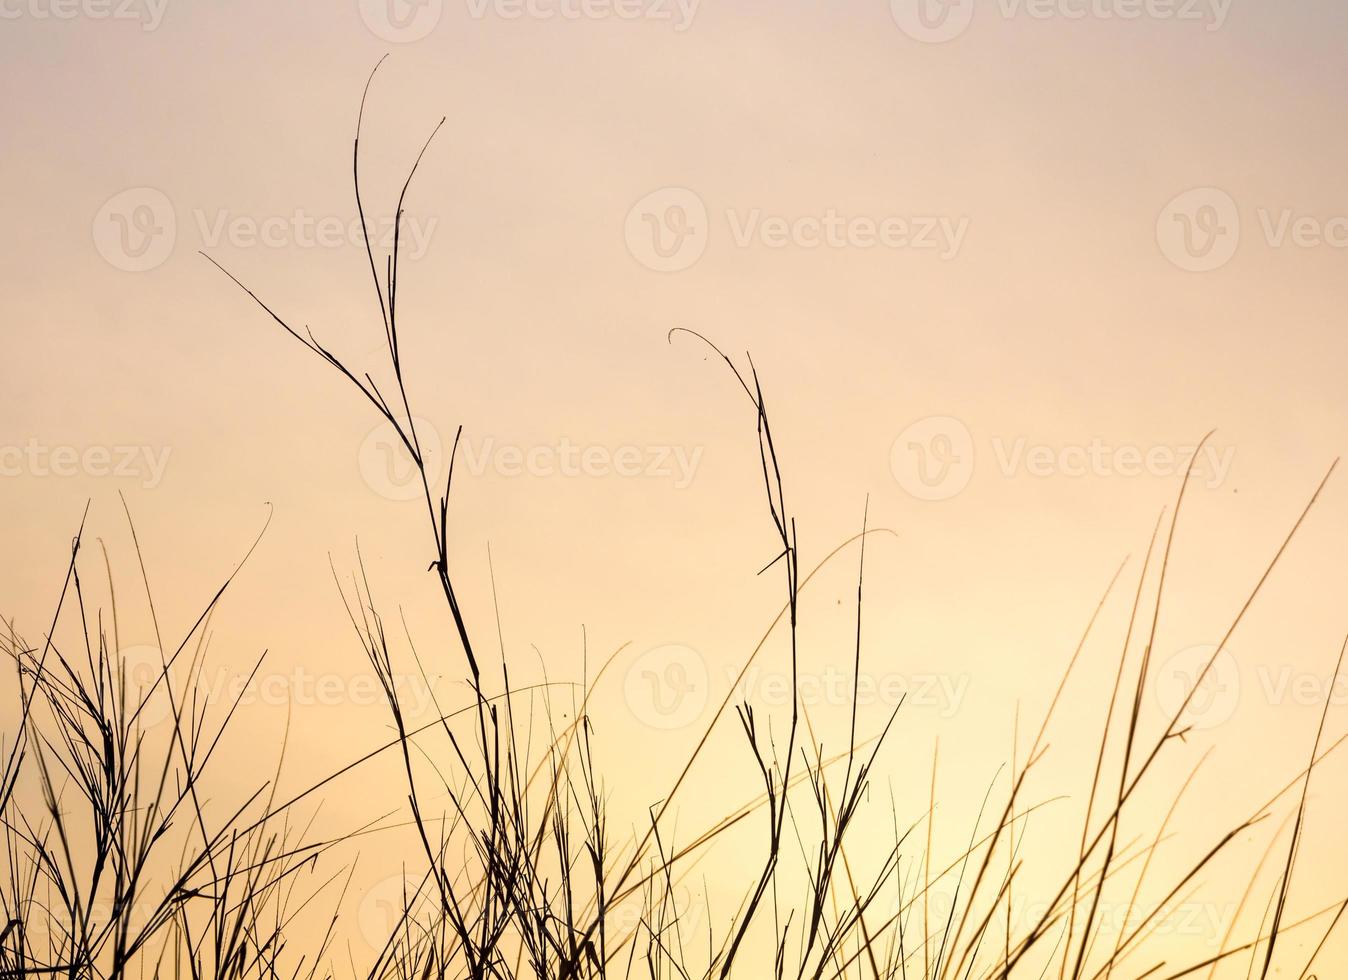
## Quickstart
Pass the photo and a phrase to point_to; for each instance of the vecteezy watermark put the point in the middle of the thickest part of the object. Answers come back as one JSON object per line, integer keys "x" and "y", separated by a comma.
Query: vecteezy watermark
{"x": 299, "y": 229}
{"x": 386, "y": 463}
{"x": 934, "y": 459}
{"x": 667, "y": 687}
{"x": 565, "y": 458}
{"x": 401, "y": 21}
{"x": 137, "y": 230}
{"x": 1200, "y": 230}
{"x": 1208, "y": 699}
{"x": 1285, "y": 227}
{"x": 938, "y": 21}
{"x": 404, "y": 21}
{"x": 388, "y": 469}
{"x": 126, "y": 462}
{"x": 381, "y": 910}
{"x": 835, "y": 687}
{"x": 1204, "y": 922}
{"x": 53, "y": 929}
{"x": 148, "y": 679}
{"x": 148, "y": 13}
{"x": 668, "y": 230}
{"x": 672, "y": 901}
{"x": 301, "y": 687}
{"x": 679, "y": 13}
{"x": 1217, "y": 693}
{"x": 940, "y": 233}
{"x": 148, "y": 687}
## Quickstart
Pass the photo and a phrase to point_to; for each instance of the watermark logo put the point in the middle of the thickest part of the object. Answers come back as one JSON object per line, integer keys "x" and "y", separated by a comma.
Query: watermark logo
{"x": 667, "y": 229}
{"x": 401, "y": 21}
{"x": 1223, "y": 688}
{"x": 672, "y": 901}
{"x": 135, "y": 230}
{"x": 933, "y": 21}
{"x": 39, "y": 460}
{"x": 570, "y": 460}
{"x": 835, "y": 687}
{"x": 667, "y": 687}
{"x": 387, "y": 466}
{"x": 678, "y": 12}
{"x": 1199, "y": 231}
{"x": 933, "y": 459}
{"x": 943, "y": 234}
{"x": 938, "y": 21}
{"x": 1215, "y": 695}
{"x": 1286, "y": 227}
{"x": 299, "y": 229}
{"x": 1285, "y": 684}
{"x": 148, "y": 13}
{"x": 147, "y": 684}
{"x": 381, "y": 909}
{"x": 298, "y": 687}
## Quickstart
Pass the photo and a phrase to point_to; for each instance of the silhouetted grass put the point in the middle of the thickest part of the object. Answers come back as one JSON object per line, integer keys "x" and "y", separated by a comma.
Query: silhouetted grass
{"x": 124, "y": 870}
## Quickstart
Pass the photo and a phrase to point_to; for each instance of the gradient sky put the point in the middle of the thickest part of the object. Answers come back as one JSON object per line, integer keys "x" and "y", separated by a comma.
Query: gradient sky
{"x": 995, "y": 288}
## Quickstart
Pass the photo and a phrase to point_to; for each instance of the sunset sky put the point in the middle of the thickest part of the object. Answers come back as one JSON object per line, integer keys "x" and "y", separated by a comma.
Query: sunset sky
{"x": 1000, "y": 265}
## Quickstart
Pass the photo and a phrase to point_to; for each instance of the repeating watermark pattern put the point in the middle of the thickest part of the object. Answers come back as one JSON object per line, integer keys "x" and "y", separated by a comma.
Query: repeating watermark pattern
{"x": 677, "y": 464}
{"x": 379, "y": 914}
{"x": 96, "y": 913}
{"x": 939, "y": 21}
{"x": 1212, "y": 697}
{"x": 678, "y": 13}
{"x": 148, "y": 13}
{"x": 148, "y": 681}
{"x": 1201, "y": 229}
{"x": 668, "y": 230}
{"x": 299, "y": 229}
{"x": 679, "y": 903}
{"x": 387, "y": 466}
{"x": 933, "y": 21}
{"x": 405, "y": 21}
{"x": 36, "y": 459}
{"x": 1205, "y": 922}
{"x": 137, "y": 230}
{"x": 401, "y": 21}
{"x": 942, "y": 694}
{"x": 304, "y": 688}
{"x": 1228, "y": 683}
{"x": 297, "y": 687}
{"x": 934, "y": 459}
{"x": 667, "y": 687}
{"x": 1285, "y": 227}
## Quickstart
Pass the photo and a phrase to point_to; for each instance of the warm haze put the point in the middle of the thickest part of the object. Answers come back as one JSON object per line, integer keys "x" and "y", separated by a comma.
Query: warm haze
{"x": 1001, "y": 267}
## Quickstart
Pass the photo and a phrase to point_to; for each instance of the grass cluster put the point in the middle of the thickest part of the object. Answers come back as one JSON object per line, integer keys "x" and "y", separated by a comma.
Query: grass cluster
{"x": 115, "y": 866}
